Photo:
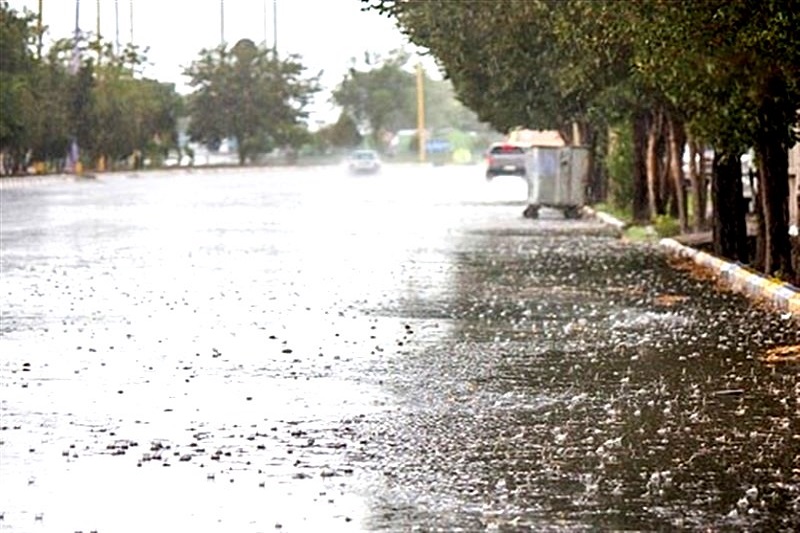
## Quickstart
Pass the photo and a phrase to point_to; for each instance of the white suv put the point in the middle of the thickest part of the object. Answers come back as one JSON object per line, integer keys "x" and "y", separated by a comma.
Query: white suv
{"x": 364, "y": 162}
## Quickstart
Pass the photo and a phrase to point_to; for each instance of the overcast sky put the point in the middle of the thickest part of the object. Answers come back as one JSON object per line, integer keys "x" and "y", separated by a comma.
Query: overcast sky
{"x": 326, "y": 33}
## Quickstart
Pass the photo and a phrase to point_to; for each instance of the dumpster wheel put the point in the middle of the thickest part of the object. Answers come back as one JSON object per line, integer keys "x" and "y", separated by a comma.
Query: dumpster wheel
{"x": 532, "y": 211}
{"x": 572, "y": 212}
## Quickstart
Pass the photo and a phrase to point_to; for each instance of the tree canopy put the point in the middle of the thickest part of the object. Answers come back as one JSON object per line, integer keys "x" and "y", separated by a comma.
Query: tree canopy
{"x": 247, "y": 93}
{"x": 382, "y": 97}
{"x": 81, "y": 91}
{"x": 725, "y": 72}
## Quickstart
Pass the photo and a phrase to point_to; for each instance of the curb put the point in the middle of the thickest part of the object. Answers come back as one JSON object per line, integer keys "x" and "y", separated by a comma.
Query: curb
{"x": 605, "y": 218}
{"x": 784, "y": 296}
{"x": 8, "y": 182}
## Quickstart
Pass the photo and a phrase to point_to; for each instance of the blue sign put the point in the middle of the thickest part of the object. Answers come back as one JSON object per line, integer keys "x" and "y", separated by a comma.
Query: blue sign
{"x": 434, "y": 146}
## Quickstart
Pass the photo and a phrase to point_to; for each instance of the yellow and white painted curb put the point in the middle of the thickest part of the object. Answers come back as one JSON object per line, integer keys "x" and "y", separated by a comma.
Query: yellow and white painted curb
{"x": 784, "y": 296}
{"x": 605, "y": 218}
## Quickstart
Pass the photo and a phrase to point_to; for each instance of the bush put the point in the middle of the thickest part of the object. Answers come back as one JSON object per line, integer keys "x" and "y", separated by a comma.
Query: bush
{"x": 666, "y": 226}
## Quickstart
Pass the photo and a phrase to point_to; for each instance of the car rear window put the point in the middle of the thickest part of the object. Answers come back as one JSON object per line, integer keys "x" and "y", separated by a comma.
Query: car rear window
{"x": 507, "y": 149}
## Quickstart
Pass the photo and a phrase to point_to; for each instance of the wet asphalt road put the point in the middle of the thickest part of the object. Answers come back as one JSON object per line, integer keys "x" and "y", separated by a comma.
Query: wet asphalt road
{"x": 302, "y": 350}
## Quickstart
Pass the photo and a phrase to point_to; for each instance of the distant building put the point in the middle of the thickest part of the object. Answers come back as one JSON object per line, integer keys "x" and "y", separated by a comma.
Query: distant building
{"x": 537, "y": 138}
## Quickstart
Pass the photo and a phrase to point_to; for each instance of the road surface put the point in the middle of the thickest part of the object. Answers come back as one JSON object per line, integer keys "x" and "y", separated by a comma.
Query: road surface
{"x": 304, "y": 350}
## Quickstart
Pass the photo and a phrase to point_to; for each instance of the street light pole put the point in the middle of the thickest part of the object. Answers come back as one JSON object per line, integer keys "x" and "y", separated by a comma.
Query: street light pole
{"x": 76, "y": 39}
{"x": 99, "y": 44}
{"x": 222, "y": 21}
{"x": 131, "y": 20}
{"x": 421, "y": 113}
{"x": 73, "y": 155}
{"x": 39, "y": 32}
{"x": 116, "y": 26}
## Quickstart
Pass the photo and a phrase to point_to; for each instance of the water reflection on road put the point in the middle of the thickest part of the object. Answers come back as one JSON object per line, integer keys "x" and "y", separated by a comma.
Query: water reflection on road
{"x": 306, "y": 350}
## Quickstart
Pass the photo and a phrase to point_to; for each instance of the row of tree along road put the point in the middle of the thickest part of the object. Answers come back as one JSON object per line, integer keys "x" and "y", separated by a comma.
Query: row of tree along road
{"x": 82, "y": 92}
{"x": 640, "y": 82}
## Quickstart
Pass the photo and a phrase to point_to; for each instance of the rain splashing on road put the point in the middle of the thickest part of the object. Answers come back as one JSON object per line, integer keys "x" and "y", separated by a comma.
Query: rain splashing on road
{"x": 303, "y": 350}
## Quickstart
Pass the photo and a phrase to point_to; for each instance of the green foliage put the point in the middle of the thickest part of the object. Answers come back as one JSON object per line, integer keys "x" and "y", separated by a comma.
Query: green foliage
{"x": 247, "y": 93}
{"x": 666, "y": 226}
{"x": 81, "y": 89}
{"x": 517, "y": 63}
{"x": 382, "y": 97}
{"x": 714, "y": 63}
{"x": 619, "y": 162}
{"x": 640, "y": 233}
{"x": 443, "y": 110}
{"x": 620, "y": 213}
{"x": 16, "y": 89}
{"x": 727, "y": 70}
{"x": 343, "y": 134}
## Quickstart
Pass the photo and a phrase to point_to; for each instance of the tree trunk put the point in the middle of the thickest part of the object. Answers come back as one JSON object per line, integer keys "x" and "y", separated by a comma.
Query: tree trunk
{"x": 241, "y": 147}
{"x": 728, "y": 223}
{"x": 677, "y": 139}
{"x": 698, "y": 182}
{"x": 773, "y": 187}
{"x": 669, "y": 202}
{"x": 641, "y": 211}
{"x": 761, "y": 235}
{"x": 601, "y": 144}
{"x": 598, "y": 188}
{"x": 665, "y": 191}
{"x": 652, "y": 164}
{"x": 586, "y": 135}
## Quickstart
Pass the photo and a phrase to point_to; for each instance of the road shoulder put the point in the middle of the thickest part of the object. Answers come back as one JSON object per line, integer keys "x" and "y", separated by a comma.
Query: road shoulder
{"x": 782, "y": 296}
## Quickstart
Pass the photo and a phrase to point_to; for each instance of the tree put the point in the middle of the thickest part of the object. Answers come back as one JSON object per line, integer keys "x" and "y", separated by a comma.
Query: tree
{"x": 722, "y": 72}
{"x": 343, "y": 134}
{"x": 732, "y": 67}
{"x": 17, "y": 104}
{"x": 520, "y": 64}
{"x": 443, "y": 110}
{"x": 80, "y": 90}
{"x": 50, "y": 126}
{"x": 381, "y": 98}
{"x": 247, "y": 93}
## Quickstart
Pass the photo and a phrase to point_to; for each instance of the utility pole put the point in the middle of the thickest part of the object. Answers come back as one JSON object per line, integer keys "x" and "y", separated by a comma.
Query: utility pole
{"x": 131, "y": 21}
{"x": 264, "y": 6}
{"x": 39, "y": 32}
{"x": 421, "y": 113}
{"x": 116, "y": 26}
{"x": 222, "y": 21}
{"x": 99, "y": 44}
{"x": 275, "y": 27}
{"x": 76, "y": 60}
{"x": 74, "y": 151}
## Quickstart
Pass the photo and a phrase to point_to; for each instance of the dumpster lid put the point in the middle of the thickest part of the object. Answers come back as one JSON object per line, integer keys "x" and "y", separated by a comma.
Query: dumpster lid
{"x": 550, "y": 138}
